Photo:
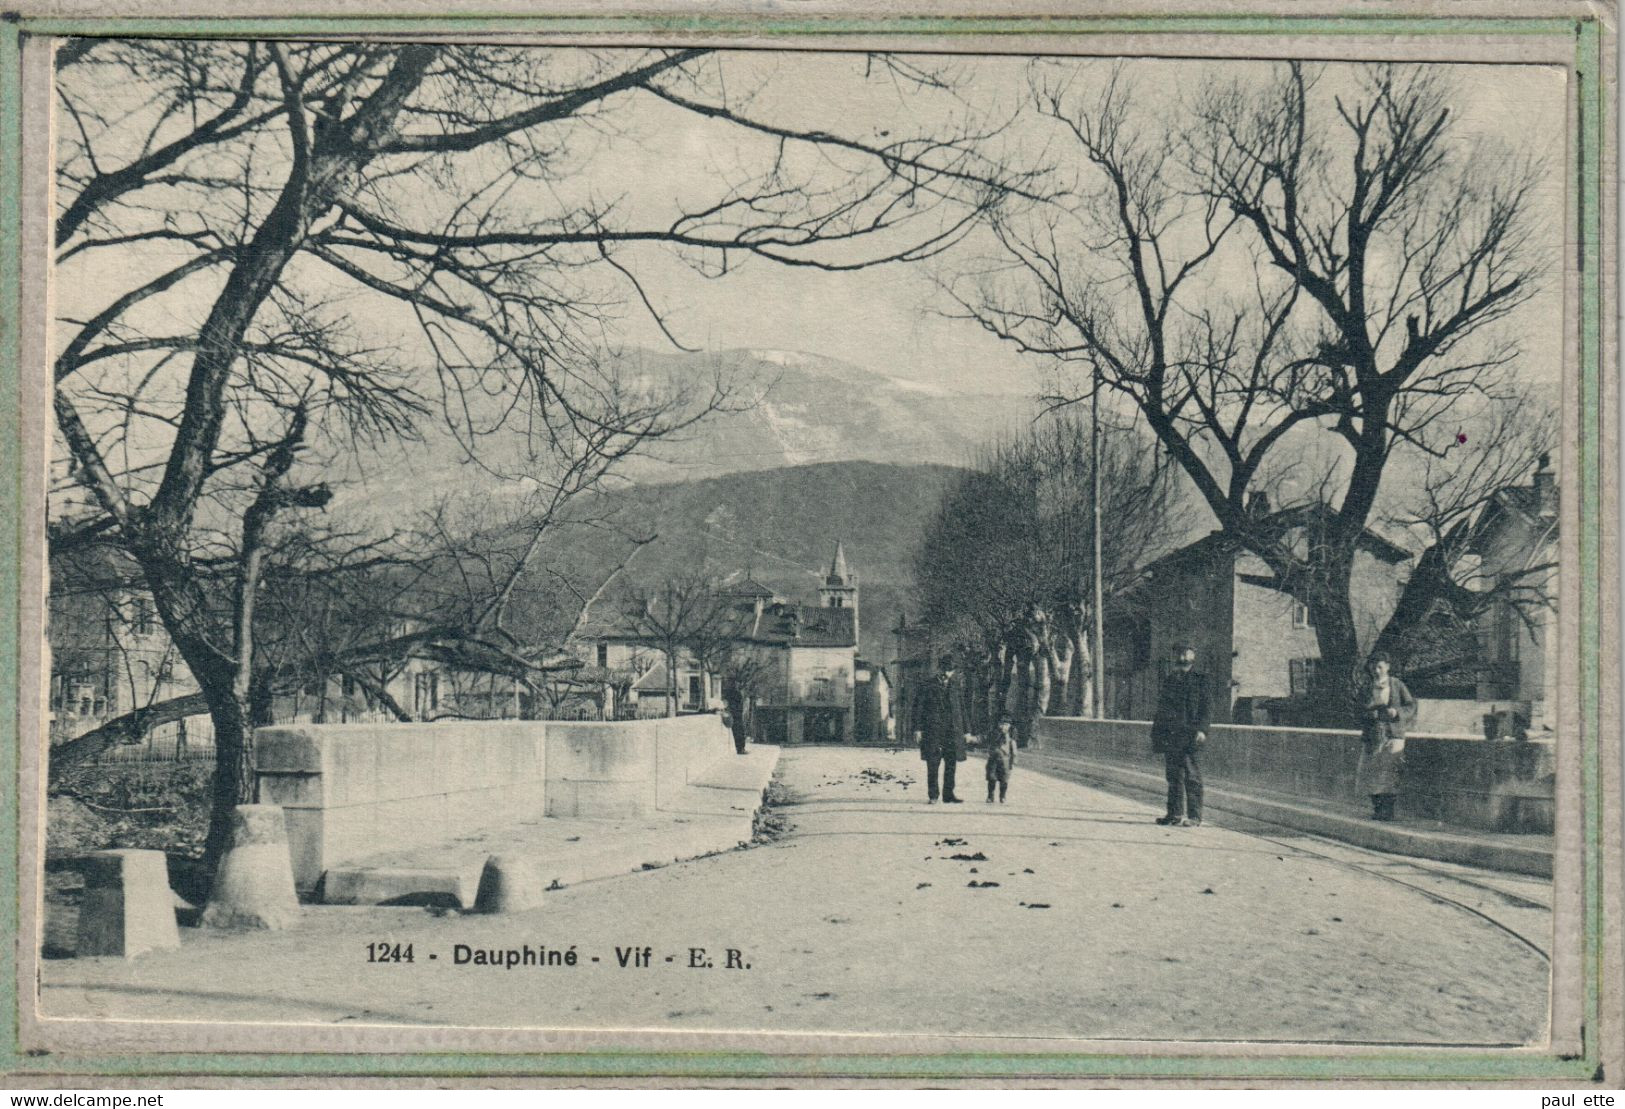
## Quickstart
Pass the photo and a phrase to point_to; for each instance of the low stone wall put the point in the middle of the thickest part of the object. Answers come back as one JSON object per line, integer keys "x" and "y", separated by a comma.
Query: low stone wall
{"x": 1494, "y": 786}
{"x": 352, "y": 790}
{"x": 628, "y": 768}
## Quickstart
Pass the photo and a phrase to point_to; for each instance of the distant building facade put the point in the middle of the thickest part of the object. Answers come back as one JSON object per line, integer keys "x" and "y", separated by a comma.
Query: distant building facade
{"x": 808, "y": 684}
{"x": 1255, "y": 642}
{"x": 1515, "y": 542}
{"x": 110, "y": 654}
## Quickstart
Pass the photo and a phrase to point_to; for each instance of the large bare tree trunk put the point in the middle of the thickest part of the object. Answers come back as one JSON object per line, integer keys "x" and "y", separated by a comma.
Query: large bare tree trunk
{"x": 1042, "y": 684}
{"x": 671, "y": 683}
{"x": 1083, "y": 664}
{"x": 233, "y": 781}
{"x": 1337, "y": 676}
{"x": 1061, "y": 656}
{"x": 1007, "y": 694}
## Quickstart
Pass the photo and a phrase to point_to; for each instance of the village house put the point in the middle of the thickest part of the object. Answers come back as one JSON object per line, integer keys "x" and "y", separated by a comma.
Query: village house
{"x": 1255, "y": 642}
{"x": 631, "y": 677}
{"x": 1515, "y": 547}
{"x": 426, "y": 681}
{"x": 808, "y": 692}
{"x": 809, "y": 684}
{"x": 110, "y": 654}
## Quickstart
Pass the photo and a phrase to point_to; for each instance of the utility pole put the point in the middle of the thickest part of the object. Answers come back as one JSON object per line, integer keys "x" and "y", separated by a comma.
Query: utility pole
{"x": 1098, "y": 645}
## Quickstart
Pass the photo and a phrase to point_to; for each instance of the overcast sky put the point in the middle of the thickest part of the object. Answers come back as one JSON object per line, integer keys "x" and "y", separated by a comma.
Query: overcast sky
{"x": 889, "y": 318}
{"x": 651, "y": 159}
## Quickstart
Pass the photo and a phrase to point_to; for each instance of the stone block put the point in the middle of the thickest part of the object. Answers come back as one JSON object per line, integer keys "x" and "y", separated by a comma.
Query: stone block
{"x": 291, "y": 749}
{"x": 508, "y": 885}
{"x": 601, "y": 751}
{"x": 128, "y": 907}
{"x": 305, "y": 846}
{"x": 253, "y": 888}
{"x": 395, "y": 886}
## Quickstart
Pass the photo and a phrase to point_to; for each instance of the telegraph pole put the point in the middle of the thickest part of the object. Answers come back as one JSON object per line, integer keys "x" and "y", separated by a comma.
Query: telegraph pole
{"x": 1098, "y": 645}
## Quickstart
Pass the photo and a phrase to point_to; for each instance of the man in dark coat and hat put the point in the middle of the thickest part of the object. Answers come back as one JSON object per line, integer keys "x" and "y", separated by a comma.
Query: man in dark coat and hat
{"x": 941, "y": 734}
{"x": 1178, "y": 732}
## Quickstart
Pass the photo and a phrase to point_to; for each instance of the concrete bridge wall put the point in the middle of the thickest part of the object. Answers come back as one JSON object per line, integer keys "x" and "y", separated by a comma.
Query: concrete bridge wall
{"x": 351, "y": 790}
{"x": 1496, "y": 786}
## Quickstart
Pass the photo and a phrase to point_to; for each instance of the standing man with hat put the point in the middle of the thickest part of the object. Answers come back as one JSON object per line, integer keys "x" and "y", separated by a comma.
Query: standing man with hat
{"x": 941, "y": 734}
{"x": 1178, "y": 732}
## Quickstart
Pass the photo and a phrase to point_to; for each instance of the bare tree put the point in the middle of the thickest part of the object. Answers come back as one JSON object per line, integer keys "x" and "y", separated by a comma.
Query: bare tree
{"x": 1292, "y": 282}
{"x": 1448, "y": 592}
{"x": 319, "y": 246}
{"x": 1005, "y": 573}
{"x": 681, "y": 614}
{"x": 463, "y": 588}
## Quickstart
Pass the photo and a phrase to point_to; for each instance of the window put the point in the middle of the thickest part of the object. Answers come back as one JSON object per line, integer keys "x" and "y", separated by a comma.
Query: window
{"x": 822, "y": 689}
{"x": 603, "y": 656}
{"x": 142, "y": 620}
{"x": 696, "y": 692}
{"x": 1301, "y": 675}
{"x": 1300, "y": 615}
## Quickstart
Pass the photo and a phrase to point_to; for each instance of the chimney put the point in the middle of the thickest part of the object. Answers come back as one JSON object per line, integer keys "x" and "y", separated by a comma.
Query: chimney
{"x": 1545, "y": 487}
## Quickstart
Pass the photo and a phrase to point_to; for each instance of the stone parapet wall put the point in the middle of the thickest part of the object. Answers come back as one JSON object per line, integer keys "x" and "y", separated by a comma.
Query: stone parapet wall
{"x": 353, "y": 790}
{"x": 1493, "y": 786}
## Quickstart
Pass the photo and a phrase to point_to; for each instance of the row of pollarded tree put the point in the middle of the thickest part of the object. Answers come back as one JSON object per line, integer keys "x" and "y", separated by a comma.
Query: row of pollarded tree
{"x": 1005, "y": 573}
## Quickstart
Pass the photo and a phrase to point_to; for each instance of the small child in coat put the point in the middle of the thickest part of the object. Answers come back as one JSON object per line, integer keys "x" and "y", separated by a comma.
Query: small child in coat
{"x": 1001, "y": 759}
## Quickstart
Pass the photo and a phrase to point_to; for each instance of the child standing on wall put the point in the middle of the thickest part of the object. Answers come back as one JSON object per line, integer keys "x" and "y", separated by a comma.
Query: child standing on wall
{"x": 1001, "y": 759}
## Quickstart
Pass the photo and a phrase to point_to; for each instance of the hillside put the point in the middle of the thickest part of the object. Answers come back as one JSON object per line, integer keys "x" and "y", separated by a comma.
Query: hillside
{"x": 779, "y": 525}
{"x": 787, "y": 409}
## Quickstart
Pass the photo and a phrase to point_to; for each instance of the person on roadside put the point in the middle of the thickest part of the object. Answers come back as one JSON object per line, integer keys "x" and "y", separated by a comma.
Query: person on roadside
{"x": 733, "y": 715}
{"x": 1388, "y": 711}
{"x": 1001, "y": 760}
{"x": 941, "y": 734}
{"x": 1177, "y": 733}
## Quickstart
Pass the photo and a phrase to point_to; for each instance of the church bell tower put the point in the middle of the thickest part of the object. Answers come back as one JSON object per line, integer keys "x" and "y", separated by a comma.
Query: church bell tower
{"x": 840, "y": 587}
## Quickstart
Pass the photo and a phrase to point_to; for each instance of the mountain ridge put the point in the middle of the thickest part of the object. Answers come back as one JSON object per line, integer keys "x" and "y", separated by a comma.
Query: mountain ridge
{"x": 795, "y": 409}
